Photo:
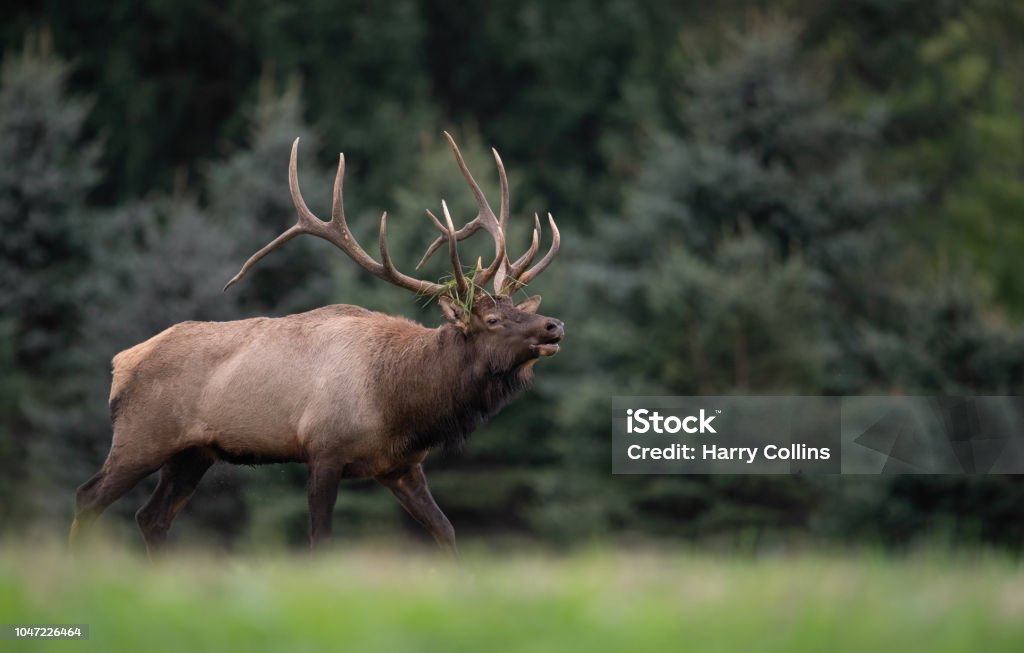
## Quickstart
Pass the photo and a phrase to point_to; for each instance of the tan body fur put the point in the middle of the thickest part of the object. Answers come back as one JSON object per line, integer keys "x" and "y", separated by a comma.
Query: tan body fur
{"x": 206, "y": 384}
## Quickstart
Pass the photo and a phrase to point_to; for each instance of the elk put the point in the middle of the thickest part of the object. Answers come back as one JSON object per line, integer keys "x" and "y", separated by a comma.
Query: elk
{"x": 350, "y": 392}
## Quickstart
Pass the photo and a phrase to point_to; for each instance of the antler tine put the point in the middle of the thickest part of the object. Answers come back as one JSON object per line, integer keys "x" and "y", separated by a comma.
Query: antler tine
{"x": 453, "y": 251}
{"x": 556, "y": 241}
{"x": 503, "y": 180}
{"x": 292, "y": 232}
{"x": 437, "y": 223}
{"x": 382, "y": 238}
{"x": 499, "y": 275}
{"x": 337, "y": 233}
{"x": 507, "y": 277}
{"x": 449, "y": 233}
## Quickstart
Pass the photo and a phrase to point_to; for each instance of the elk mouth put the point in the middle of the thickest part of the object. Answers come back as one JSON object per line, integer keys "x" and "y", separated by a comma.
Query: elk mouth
{"x": 546, "y": 349}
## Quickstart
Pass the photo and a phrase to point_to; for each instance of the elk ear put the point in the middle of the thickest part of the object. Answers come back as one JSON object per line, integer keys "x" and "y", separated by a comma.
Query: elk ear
{"x": 529, "y": 305}
{"x": 453, "y": 312}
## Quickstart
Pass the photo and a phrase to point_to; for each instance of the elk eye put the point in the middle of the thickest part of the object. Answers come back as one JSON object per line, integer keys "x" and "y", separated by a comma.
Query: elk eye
{"x": 492, "y": 321}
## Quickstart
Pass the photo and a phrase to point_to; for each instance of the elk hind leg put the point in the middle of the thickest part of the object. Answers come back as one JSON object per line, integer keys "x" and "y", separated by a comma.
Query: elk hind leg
{"x": 113, "y": 481}
{"x": 179, "y": 478}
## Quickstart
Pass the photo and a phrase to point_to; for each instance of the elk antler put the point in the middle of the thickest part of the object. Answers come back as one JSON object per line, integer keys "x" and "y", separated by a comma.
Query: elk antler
{"x": 507, "y": 276}
{"x": 484, "y": 219}
{"x": 338, "y": 234}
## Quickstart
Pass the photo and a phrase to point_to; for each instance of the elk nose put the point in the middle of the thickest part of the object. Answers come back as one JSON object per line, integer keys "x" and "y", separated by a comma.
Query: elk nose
{"x": 555, "y": 327}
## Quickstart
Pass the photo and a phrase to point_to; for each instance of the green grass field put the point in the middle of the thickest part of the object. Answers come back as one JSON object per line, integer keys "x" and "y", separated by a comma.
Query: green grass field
{"x": 379, "y": 600}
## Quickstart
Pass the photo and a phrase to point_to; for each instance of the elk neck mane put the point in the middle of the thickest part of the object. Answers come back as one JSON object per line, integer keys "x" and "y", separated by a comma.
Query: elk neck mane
{"x": 441, "y": 382}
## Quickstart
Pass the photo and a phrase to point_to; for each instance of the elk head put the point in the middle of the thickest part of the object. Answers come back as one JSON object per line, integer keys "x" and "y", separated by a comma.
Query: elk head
{"x": 504, "y": 333}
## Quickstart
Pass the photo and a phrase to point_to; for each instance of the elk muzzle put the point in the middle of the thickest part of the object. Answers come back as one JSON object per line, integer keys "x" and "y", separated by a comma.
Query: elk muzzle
{"x": 554, "y": 331}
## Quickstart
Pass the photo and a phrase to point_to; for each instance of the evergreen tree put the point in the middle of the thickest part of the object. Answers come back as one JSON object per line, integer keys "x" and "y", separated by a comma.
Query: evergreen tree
{"x": 949, "y": 73}
{"x": 47, "y": 167}
{"x": 756, "y": 254}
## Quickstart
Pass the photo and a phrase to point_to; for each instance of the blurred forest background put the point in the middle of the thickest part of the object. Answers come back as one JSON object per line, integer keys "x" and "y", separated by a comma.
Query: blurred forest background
{"x": 755, "y": 197}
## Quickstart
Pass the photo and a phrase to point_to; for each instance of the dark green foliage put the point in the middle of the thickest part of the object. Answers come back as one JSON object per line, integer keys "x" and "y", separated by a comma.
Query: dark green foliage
{"x": 757, "y": 255}
{"x": 47, "y": 168}
{"x": 819, "y": 198}
{"x": 558, "y": 85}
{"x": 950, "y": 74}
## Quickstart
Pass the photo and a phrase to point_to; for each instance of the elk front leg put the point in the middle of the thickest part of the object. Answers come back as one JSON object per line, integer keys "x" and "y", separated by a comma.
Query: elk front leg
{"x": 322, "y": 489}
{"x": 409, "y": 486}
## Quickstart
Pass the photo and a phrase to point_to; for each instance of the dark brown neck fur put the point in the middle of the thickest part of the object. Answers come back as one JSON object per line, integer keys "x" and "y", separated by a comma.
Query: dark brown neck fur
{"x": 440, "y": 388}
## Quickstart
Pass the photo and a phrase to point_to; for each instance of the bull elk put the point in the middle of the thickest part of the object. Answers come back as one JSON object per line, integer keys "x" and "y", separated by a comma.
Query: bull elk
{"x": 349, "y": 392}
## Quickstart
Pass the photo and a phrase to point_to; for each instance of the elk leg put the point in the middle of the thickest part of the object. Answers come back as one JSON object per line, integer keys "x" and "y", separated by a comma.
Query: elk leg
{"x": 409, "y": 485}
{"x": 112, "y": 482}
{"x": 179, "y": 478}
{"x": 322, "y": 490}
